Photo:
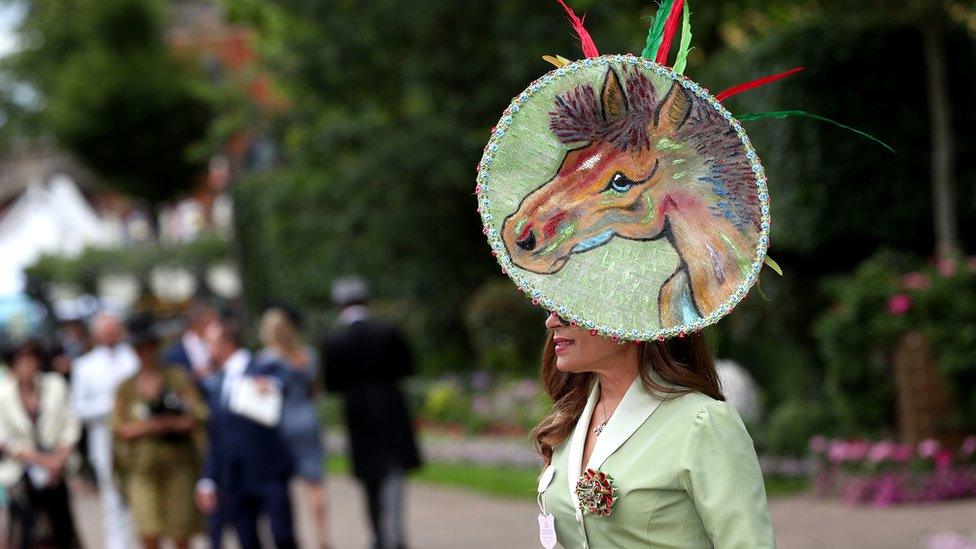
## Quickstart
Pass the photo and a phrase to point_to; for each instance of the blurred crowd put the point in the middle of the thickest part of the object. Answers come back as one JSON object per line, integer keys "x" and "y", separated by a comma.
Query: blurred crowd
{"x": 186, "y": 432}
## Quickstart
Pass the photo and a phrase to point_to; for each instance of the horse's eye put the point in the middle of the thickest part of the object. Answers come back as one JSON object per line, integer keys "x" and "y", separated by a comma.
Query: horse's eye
{"x": 619, "y": 183}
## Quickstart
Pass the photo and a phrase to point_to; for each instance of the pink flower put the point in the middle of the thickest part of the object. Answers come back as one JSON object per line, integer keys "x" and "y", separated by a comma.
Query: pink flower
{"x": 899, "y": 304}
{"x": 857, "y": 450}
{"x": 837, "y": 453}
{"x": 902, "y": 453}
{"x": 881, "y": 451}
{"x": 887, "y": 492}
{"x": 928, "y": 448}
{"x": 818, "y": 444}
{"x": 840, "y": 451}
{"x": 969, "y": 446}
{"x": 915, "y": 281}
{"x": 943, "y": 459}
{"x": 946, "y": 267}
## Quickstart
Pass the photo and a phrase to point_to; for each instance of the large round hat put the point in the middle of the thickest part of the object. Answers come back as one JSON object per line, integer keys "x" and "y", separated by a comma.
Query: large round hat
{"x": 624, "y": 196}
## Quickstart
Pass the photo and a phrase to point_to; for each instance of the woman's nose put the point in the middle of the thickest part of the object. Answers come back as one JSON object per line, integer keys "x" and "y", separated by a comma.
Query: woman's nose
{"x": 553, "y": 321}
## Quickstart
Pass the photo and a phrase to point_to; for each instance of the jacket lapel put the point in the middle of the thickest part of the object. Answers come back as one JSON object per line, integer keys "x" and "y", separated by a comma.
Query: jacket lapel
{"x": 633, "y": 410}
{"x": 578, "y": 441}
{"x": 15, "y": 406}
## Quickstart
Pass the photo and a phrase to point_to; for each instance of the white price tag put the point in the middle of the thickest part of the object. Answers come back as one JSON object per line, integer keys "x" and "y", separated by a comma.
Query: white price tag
{"x": 547, "y": 530}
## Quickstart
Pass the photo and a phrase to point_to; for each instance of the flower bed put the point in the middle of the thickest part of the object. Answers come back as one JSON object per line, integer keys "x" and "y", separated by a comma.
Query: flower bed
{"x": 885, "y": 473}
{"x": 480, "y": 403}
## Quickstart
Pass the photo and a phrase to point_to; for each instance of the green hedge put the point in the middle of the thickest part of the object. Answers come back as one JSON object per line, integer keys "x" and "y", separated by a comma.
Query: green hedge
{"x": 505, "y": 328}
{"x": 83, "y": 270}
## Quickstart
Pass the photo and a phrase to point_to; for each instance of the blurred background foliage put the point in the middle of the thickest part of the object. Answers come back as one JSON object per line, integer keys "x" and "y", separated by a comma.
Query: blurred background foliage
{"x": 94, "y": 75}
{"x": 389, "y": 103}
{"x": 857, "y": 342}
{"x": 389, "y": 116}
{"x": 94, "y": 263}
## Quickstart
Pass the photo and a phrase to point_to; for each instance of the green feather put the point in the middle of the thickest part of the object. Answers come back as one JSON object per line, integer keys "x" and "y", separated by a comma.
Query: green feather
{"x": 656, "y": 32}
{"x": 787, "y": 114}
{"x": 773, "y": 265}
{"x": 685, "y": 47}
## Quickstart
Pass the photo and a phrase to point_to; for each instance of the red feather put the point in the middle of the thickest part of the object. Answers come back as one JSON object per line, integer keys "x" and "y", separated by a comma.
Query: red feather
{"x": 735, "y": 90}
{"x": 589, "y": 48}
{"x": 670, "y": 28}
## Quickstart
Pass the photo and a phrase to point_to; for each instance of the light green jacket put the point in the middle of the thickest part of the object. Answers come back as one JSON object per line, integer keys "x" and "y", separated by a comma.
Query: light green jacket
{"x": 686, "y": 474}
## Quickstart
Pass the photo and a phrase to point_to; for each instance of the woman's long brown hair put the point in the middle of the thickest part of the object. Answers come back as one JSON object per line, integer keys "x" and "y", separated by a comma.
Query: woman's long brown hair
{"x": 683, "y": 362}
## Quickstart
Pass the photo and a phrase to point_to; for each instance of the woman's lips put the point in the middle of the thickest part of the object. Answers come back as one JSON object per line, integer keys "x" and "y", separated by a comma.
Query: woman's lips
{"x": 562, "y": 343}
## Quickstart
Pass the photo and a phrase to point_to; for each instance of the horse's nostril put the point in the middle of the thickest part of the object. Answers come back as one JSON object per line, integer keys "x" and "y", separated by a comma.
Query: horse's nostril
{"x": 527, "y": 242}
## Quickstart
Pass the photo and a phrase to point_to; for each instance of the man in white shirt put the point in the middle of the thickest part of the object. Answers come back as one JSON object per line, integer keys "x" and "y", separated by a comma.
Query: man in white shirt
{"x": 95, "y": 376}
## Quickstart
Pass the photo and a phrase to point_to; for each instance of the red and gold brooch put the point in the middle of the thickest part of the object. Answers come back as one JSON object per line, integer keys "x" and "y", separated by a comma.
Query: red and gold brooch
{"x": 596, "y": 492}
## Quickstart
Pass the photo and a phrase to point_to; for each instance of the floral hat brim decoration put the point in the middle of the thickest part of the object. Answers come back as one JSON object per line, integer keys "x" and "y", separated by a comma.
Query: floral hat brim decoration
{"x": 624, "y": 196}
{"x": 596, "y": 492}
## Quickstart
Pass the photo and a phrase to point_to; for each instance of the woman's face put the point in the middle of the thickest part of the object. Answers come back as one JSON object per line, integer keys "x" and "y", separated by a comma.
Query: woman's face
{"x": 577, "y": 351}
{"x": 26, "y": 365}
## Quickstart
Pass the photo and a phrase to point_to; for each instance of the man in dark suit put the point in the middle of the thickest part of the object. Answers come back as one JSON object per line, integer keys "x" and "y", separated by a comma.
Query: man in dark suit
{"x": 363, "y": 360}
{"x": 190, "y": 351}
{"x": 247, "y": 467}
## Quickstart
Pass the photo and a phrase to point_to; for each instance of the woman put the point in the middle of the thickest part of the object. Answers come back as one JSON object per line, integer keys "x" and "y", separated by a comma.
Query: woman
{"x": 300, "y": 425}
{"x": 38, "y": 435}
{"x": 158, "y": 422}
{"x": 641, "y": 449}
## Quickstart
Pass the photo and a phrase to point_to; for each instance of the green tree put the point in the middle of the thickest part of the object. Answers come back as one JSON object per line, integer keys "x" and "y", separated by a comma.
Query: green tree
{"x": 392, "y": 101}
{"x": 111, "y": 92}
{"x": 391, "y": 105}
{"x": 931, "y": 28}
{"x": 836, "y": 197}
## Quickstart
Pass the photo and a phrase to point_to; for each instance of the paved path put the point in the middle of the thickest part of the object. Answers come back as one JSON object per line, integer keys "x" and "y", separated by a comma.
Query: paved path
{"x": 803, "y": 522}
{"x": 442, "y": 518}
{"x": 437, "y": 518}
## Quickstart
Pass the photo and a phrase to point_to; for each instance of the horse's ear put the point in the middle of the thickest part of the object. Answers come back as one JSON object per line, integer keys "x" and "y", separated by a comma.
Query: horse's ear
{"x": 612, "y": 98}
{"x": 674, "y": 110}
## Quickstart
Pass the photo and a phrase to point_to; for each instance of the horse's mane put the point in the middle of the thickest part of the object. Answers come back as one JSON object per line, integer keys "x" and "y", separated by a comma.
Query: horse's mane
{"x": 578, "y": 118}
{"x": 729, "y": 170}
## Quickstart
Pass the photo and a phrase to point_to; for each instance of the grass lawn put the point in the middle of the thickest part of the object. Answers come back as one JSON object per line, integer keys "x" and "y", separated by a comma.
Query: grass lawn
{"x": 779, "y": 487}
{"x": 520, "y": 483}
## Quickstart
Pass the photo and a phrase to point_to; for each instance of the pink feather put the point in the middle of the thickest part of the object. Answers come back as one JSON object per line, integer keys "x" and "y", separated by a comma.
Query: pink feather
{"x": 589, "y": 48}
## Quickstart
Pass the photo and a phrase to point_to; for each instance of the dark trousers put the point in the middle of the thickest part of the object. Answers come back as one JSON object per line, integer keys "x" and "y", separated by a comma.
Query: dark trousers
{"x": 41, "y": 517}
{"x": 384, "y": 501}
{"x": 273, "y": 500}
{"x": 215, "y": 528}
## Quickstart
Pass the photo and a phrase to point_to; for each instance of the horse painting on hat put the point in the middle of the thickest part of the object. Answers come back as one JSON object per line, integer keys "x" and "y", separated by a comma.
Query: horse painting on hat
{"x": 649, "y": 163}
